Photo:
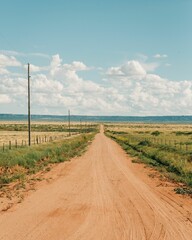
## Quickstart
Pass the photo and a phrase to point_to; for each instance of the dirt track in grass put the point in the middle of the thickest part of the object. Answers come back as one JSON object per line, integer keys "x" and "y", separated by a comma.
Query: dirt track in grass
{"x": 102, "y": 196}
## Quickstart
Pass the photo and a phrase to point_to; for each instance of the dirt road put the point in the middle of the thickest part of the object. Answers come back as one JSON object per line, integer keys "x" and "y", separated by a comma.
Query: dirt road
{"x": 98, "y": 196}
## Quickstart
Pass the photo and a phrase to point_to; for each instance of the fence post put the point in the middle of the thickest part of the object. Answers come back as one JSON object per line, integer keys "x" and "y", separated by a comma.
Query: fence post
{"x": 9, "y": 145}
{"x": 3, "y": 147}
{"x": 16, "y": 143}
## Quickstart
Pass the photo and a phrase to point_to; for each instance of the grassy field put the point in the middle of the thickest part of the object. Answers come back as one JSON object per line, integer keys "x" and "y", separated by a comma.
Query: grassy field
{"x": 167, "y": 147}
{"x": 47, "y": 126}
{"x": 15, "y": 133}
{"x": 21, "y": 137}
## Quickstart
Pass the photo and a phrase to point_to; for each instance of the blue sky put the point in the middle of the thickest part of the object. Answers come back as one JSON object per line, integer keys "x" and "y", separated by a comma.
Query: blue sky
{"x": 101, "y": 35}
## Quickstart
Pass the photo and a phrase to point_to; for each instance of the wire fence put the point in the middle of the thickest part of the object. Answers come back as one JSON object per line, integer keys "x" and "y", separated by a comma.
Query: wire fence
{"x": 36, "y": 140}
{"x": 15, "y": 135}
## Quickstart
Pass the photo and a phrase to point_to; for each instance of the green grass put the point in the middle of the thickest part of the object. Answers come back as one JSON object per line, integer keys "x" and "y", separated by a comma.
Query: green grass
{"x": 16, "y": 164}
{"x": 173, "y": 162}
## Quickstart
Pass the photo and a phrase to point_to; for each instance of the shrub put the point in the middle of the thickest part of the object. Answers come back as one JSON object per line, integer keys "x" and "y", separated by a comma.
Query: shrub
{"x": 156, "y": 133}
{"x": 144, "y": 143}
{"x": 178, "y": 133}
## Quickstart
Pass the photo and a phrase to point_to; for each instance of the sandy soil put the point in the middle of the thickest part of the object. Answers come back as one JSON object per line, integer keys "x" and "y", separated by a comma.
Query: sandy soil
{"x": 103, "y": 196}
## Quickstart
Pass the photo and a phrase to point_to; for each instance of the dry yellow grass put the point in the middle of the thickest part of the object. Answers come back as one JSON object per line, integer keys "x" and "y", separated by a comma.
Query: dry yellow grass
{"x": 135, "y": 127}
{"x": 19, "y": 136}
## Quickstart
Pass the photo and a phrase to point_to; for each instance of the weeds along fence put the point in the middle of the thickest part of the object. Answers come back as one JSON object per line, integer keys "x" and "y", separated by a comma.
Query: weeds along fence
{"x": 162, "y": 150}
{"x": 13, "y": 144}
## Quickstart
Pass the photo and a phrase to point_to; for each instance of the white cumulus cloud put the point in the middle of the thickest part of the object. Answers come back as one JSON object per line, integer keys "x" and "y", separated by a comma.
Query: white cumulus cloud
{"x": 132, "y": 88}
{"x": 151, "y": 94}
{"x": 8, "y": 61}
{"x": 130, "y": 68}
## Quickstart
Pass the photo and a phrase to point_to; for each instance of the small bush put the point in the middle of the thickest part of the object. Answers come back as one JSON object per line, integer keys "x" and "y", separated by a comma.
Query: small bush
{"x": 144, "y": 143}
{"x": 178, "y": 133}
{"x": 156, "y": 133}
{"x": 183, "y": 191}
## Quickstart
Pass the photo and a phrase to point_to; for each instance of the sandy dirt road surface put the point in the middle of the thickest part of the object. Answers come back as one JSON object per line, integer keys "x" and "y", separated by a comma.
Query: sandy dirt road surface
{"x": 98, "y": 196}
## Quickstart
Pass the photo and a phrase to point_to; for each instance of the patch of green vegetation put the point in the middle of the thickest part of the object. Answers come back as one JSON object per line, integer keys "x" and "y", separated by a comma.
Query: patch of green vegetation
{"x": 155, "y": 133}
{"x": 178, "y": 133}
{"x": 7, "y": 178}
{"x": 144, "y": 143}
{"x": 142, "y": 132}
{"x": 183, "y": 191}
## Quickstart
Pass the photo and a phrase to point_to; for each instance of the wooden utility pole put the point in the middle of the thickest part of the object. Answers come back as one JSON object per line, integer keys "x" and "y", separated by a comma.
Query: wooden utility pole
{"x": 69, "y": 122}
{"x": 29, "y": 108}
{"x": 80, "y": 131}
